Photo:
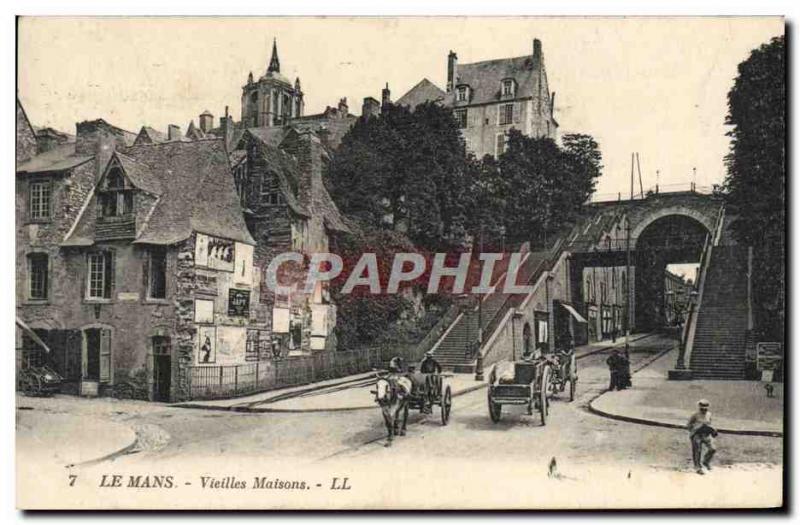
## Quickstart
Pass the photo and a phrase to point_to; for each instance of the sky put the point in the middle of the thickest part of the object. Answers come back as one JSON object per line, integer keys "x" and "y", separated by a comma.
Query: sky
{"x": 656, "y": 86}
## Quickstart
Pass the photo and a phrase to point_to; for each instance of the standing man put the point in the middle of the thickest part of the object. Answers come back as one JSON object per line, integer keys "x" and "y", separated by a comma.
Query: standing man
{"x": 701, "y": 434}
{"x": 615, "y": 363}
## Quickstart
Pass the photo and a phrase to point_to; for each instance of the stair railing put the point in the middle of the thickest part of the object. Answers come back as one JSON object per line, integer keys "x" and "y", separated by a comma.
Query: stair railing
{"x": 690, "y": 327}
{"x": 503, "y": 314}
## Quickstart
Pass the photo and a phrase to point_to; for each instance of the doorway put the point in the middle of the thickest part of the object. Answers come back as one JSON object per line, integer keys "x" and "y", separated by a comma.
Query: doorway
{"x": 162, "y": 368}
{"x": 91, "y": 369}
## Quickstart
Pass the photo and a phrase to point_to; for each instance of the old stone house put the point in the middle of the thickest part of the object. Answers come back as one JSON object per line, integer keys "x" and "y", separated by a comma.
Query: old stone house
{"x": 135, "y": 265}
{"x": 493, "y": 96}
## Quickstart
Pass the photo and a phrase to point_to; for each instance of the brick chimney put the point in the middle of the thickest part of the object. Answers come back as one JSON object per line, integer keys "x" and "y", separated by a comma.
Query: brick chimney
{"x": 370, "y": 107}
{"x": 537, "y": 51}
{"x": 173, "y": 133}
{"x": 452, "y": 70}
{"x": 309, "y": 153}
{"x": 99, "y": 139}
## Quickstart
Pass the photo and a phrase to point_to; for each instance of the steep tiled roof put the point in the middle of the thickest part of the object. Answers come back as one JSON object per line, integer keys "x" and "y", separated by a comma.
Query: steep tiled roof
{"x": 424, "y": 91}
{"x": 196, "y": 193}
{"x": 148, "y": 135}
{"x": 61, "y": 157}
{"x": 484, "y": 78}
{"x": 194, "y": 133}
{"x": 140, "y": 174}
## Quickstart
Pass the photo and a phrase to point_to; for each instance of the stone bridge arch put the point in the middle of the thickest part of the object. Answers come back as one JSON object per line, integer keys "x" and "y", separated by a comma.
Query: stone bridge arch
{"x": 708, "y": 220}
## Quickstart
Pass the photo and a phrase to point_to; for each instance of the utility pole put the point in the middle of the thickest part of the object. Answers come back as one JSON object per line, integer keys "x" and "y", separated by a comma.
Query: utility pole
{"x": 479, "y": 357}
{"x": 628, "y": 271}
{"x": 639, "y": 169}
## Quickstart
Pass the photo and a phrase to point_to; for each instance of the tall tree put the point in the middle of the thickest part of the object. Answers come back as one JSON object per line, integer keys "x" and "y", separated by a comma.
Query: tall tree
{"x": 756, "y": 180}
{"x": 405, "y": 166}
{"x": 543, "y": 185}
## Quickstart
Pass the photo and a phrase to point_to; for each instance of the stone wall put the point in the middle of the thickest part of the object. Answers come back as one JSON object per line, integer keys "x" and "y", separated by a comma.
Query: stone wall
{"x": 69, "y": 192}
{"x": 26, "y": 139}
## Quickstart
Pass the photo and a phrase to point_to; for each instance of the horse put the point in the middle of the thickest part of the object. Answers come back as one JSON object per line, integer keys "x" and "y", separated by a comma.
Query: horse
{"x": 392, "y": 395}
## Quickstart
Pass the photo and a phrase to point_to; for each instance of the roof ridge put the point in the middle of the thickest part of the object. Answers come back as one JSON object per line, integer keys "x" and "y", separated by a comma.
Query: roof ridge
{"x": 169, "y": 142}
{"x": 460, "y": 65}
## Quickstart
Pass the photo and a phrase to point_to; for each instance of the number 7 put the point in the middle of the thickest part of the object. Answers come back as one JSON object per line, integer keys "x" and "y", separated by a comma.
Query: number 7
{"x": 72, "y": 478}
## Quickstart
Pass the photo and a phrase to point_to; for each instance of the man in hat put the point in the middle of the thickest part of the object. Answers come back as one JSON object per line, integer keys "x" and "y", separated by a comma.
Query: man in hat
{"x": 430, "y": 365}
{"x": 702, "y": 434}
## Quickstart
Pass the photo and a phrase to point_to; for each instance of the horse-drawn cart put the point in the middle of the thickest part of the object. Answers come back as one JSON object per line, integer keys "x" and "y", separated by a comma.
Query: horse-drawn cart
{"x": 396, "y": 393}
{"x": 440, "y": 394}
{"x": 564, "y": 370}
{"x": 522, "y": 383}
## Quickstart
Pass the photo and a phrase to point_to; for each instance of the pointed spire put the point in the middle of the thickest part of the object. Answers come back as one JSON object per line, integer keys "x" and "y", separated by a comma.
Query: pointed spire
{"x": 274, "y": 63}
{"x": 250, "y": 78}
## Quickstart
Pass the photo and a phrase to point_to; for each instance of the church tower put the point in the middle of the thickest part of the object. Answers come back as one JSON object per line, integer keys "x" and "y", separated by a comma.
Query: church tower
{"x": 272, "y": 100}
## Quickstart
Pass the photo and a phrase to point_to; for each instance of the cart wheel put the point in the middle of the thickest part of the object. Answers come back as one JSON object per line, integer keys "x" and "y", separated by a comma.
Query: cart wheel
{"x": 572, "y": 387}
{"x": 447, "y": 402}
{"x": 543, "y": 402}
{"x": 495, "y": 410}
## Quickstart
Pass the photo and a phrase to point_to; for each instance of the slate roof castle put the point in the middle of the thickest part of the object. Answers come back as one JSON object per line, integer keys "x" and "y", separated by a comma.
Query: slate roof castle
{"x": 490, "y": 97}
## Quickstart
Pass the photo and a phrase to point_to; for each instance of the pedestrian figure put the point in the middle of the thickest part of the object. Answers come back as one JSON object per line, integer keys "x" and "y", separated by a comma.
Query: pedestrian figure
{"x": 615, "y": 363}
{"x": 625, "y": 370}
{"x": 206, "y": 349}
{"x": 702, "y": 435}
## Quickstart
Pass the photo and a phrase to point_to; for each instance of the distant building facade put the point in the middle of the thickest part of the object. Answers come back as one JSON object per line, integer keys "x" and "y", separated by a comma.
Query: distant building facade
{"x": 604, "y": 295}
{"x": 490, "y": 98}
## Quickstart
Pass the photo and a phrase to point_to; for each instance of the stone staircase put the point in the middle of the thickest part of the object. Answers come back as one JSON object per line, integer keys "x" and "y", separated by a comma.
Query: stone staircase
{"x": 455, "y": 350}
{"x": 719, "y": 341}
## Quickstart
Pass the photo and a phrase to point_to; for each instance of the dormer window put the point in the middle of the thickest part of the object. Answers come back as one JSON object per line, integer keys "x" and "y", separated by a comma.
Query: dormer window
{"x": 508, "y": 87}
{"x": 462, "y": 93}
{"x": 116, "y": 199}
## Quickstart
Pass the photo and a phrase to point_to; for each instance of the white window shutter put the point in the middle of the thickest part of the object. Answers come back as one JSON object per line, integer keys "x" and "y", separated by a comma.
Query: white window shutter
{"x": 105, "y": 355}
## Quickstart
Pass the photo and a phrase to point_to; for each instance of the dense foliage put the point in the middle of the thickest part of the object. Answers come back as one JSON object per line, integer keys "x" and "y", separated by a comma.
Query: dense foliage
{"x": 756, "y": 178}
{"x": 406, "y": 179}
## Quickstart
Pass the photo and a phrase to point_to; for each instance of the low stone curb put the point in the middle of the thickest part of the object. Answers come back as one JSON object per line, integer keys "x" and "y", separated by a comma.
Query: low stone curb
{"x": 256, "y": 409}
{"x": 664, "y": 424}
{"x": 655, "y": 423}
